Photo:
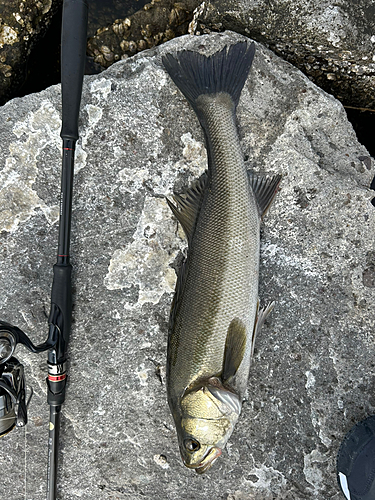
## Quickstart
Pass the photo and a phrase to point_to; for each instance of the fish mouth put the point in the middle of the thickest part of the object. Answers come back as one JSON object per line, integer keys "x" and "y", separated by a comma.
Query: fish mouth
{"x": 207, "y": 461}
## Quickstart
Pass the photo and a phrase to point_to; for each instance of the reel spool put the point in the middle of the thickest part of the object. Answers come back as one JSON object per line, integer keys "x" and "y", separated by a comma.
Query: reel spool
{"x": 7, "y": 345}
{"x": 13, "y": 406}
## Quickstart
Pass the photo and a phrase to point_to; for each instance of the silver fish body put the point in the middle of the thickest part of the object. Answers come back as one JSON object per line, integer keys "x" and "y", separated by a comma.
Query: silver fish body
{"x": 222, "y": 267}
{"x": 214, "y": 311}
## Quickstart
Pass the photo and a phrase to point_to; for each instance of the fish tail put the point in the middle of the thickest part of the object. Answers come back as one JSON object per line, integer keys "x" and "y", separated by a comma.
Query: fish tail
{"x": 196, "y": 74}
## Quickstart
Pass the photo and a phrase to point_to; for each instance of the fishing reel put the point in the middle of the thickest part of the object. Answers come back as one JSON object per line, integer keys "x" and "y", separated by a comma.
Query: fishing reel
{"x": 13, "y": 404}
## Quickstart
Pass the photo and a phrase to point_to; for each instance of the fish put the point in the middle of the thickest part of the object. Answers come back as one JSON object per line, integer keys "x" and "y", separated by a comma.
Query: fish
{"x": 215, "y": 313}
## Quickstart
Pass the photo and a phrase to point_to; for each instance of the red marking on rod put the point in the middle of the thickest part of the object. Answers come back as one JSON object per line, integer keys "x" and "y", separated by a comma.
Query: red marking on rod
{"x": 67, "y": 149}
{"x": 63, "y": 255}
{"x": 56, "y": 378}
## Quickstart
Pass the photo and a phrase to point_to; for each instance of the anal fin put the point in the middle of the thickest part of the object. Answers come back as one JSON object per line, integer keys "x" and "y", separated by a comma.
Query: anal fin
{"x": 264, "y": 188}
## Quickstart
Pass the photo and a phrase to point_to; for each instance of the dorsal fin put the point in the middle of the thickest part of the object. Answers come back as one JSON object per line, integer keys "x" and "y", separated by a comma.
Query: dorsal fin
{"x": 177, "y": 294}
{"x": 264, "y": 188}
{"x": 188, "y": 205}
{"x": 235, "y": 346}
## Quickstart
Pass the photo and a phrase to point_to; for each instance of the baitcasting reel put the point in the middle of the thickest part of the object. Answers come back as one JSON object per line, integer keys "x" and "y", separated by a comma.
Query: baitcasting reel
{"x": 13, "y": 405}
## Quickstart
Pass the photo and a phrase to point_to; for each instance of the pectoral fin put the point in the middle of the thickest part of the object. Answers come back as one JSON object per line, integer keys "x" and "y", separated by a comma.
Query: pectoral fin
{"x": 188, "y": 205}
{"x": 235, "y": 346}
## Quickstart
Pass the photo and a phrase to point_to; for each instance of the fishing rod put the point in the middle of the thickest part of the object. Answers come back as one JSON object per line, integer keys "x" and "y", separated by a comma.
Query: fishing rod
{"x": 13, "y": 404}
{"x": 73, "y": 56}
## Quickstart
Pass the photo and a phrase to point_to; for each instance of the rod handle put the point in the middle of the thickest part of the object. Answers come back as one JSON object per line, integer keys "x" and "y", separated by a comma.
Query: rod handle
{"x": 61, "y": 309}
{"x": 73, "y": 57}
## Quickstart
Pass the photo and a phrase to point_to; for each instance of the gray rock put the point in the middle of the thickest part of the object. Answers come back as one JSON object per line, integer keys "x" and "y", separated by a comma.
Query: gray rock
{"x": 334, "y": 44}
{"x": 312, "y": 375}
{"x": 22, "y": 24}
{"x": 156, "y": 23}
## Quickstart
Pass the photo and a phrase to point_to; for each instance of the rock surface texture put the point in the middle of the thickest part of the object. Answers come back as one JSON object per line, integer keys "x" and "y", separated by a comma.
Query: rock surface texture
{"x": 157, "y": 22}
{"x": 333, "y": 43}
{"x": 313, "y": 371}
{"x": 22, "y": 24}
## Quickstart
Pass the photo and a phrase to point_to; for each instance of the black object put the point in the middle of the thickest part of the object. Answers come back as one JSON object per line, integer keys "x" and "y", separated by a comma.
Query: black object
{"x": 13, "y": 405}
{"x": 73, "y": 56}
{"x": 356, "y": 462}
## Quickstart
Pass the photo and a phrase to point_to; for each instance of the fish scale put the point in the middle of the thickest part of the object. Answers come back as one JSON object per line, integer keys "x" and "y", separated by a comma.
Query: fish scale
{"x": 221, "y": 279}
{"x": 213, "y": 319}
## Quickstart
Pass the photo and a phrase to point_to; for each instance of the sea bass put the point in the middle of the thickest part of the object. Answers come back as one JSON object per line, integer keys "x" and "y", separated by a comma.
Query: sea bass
{"x": 215, "y": 314}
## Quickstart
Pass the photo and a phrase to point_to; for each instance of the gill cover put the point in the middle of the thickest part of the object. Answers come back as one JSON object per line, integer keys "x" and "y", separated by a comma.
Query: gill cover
{"x": 209, "y": 415}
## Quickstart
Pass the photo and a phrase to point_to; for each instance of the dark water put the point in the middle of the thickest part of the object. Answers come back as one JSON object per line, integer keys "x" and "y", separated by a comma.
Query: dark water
{"x": 364, "y": 125}
{"x": 43, "y": 67}
{"x": 44, "y": 64}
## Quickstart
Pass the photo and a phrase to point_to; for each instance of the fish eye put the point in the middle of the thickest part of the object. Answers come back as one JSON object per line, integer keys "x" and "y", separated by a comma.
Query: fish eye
{"x": 191, "y": 445}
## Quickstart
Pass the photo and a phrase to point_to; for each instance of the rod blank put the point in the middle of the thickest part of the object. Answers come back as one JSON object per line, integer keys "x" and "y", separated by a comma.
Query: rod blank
{"x": 73, "y": 56}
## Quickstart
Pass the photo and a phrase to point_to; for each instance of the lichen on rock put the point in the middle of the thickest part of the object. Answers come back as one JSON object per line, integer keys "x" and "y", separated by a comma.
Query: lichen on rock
{"x": 139, "y": 141}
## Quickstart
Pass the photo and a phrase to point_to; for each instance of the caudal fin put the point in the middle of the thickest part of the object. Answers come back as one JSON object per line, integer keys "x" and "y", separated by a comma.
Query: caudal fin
{"x": 196, "y": 74}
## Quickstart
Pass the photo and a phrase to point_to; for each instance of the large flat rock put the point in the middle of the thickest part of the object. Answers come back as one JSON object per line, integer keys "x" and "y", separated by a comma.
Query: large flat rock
{"x": 332, "y": 43}
{"x": 312, "y": 375}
